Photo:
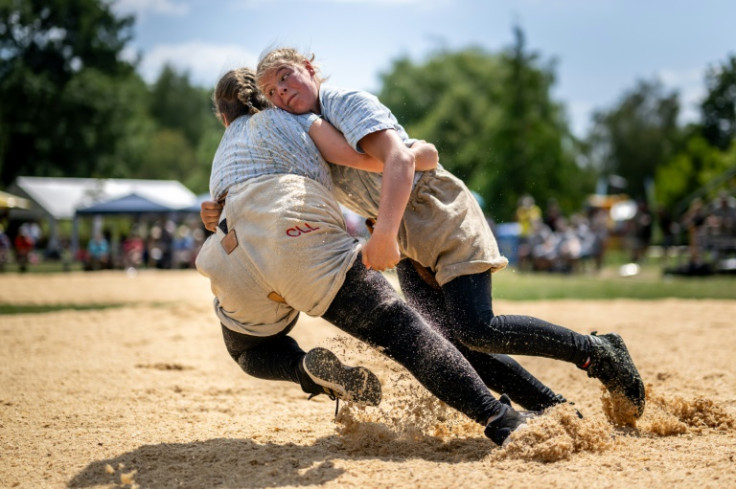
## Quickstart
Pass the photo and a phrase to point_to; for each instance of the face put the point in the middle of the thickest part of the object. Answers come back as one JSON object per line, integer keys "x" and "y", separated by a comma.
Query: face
{"x": 293, "y": 88}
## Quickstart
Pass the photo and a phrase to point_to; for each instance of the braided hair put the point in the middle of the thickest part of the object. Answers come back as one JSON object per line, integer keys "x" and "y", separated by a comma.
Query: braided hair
{"x": 237, "y": 94}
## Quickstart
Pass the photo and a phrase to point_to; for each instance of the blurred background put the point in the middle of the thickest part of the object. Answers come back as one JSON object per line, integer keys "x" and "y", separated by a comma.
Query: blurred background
{"x": 592, "y": 133}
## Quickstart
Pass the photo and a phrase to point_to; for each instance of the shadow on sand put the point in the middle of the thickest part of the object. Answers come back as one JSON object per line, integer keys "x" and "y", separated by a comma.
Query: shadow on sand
{"x": 244, "y": 463}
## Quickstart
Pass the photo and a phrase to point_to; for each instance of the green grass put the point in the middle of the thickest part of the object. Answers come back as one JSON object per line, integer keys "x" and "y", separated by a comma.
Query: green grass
{"x": 44, "y": 266}
{"x": 511, "y": 284}
{"x": 649, "y": 284}
{"x": 6, "y": 309}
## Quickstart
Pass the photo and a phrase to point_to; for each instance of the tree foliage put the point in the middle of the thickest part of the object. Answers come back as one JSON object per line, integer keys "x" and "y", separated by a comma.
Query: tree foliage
{"x": 719, "y": 106}
{"x": 708, "y": 154}
{"x": 61, "y": 77}
{"x": 72, "y": 107}
{"x": 183, "y": 111}
{"x": 687, "y": 171}
{"x": 637, "y": 136}
{"x": 178, "y": 105}
{"x": 493, "y": 119}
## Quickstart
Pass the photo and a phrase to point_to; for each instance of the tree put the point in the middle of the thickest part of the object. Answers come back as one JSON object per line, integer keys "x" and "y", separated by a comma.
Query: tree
{"x": 637, "y": 136}
{"x": 687, "y": 172}
{"x": 178, "y": 105}
{"x": 61, "y": 77}
{"x": 719, "y": 107}
{"x": 493, "y": 120}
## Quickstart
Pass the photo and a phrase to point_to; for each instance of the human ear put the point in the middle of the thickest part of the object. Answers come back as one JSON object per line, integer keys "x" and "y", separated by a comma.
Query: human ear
{"x": 308, "y": 66}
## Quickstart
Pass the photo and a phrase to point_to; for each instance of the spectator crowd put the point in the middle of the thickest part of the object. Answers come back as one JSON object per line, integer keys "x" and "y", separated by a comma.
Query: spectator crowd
{"x": 550, "y": 241}
{"x": 547, "y": 240}
{"x": 163, "y": 244}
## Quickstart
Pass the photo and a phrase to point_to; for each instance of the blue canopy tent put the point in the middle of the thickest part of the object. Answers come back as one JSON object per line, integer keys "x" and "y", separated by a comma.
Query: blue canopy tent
{"x": 128, "y": 204}
{"x": 58, "y": 199}
{"x": 131, "y": 204}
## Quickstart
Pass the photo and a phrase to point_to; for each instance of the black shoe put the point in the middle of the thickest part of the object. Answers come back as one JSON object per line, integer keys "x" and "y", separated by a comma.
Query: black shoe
{"x": 506, "y": 423}
{"x": 326, "y": 374}
{"x": 560, "y": 399}
{"x": 611, "y": 363}
{"x": 525, "y": 415}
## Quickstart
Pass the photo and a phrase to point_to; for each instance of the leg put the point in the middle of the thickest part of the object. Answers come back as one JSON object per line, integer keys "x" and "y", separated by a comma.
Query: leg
{"x": 368, "y": 308}
{"x": 468, "y": 298}
{"x": 505, "y": 375}
{"x": 604, "y": 357}
{"x": 318, "y": 371}
{"x": 499, "y": 372}
{"x": 270, "y": 358}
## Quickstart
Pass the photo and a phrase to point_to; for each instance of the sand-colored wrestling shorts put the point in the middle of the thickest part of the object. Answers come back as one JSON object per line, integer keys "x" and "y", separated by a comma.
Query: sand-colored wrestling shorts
{"x": 445, "y": 230}
{"x": 287, "y": 250}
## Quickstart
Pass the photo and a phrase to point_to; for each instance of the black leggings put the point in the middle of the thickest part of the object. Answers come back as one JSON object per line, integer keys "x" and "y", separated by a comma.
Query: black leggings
{"x": 368, "y": 308}
{"x": 265, "y": 357}
{"x": 468, "y": 300}
{"x": 500, "y": 373}
{"x": 462, "y": 311}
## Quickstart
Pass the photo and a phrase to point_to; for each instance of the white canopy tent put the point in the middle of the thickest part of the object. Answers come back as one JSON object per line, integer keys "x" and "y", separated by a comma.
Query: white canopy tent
{"x": 58, "y": 199}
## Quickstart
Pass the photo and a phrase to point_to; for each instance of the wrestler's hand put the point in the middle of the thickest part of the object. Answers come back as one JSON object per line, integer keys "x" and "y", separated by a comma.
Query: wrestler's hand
{"x": 381, "y": 252}
{"x": 210, "y": 214}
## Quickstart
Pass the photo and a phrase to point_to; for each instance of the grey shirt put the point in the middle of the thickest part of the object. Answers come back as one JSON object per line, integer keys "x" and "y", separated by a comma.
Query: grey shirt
{"x": 268, "y": 143}
{"x": 357, "y": 114}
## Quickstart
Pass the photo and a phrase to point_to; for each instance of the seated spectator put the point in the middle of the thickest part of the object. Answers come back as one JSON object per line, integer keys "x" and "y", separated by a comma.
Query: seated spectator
{"x": 4, "y": 248}
{"x": 98, "y": 253}
{"x": 133, "y": 250}
{"x": 569, "y": 247}
{"x": 599, "y": 230}
{"x": 639, "y": 232}
{"x": 527, "y": 212}
{"x": 183, "y": 247}
{"x": 542, "y": 246}
{"x": 724, "y": 215}
{"x": 694, "y": 221}
{"x": 23, "y": 247}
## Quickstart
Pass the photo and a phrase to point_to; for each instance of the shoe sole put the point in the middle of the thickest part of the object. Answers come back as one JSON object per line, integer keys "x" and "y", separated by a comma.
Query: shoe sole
{"x": 354, "y": 384}
{"x": 637, "y": 396}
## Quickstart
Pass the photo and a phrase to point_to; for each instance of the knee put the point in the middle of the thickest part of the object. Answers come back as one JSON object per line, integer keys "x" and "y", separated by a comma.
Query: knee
{"x": 394, "y": 326}
{"x": 472, "y": 332}
{"x": 232, "y": 343}
{"x": 234, "y": 354}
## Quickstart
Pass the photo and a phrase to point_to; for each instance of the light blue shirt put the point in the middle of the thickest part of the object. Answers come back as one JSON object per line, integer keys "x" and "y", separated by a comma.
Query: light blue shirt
{"x": 357, "y": 114}
{"x": 272, "y": 141}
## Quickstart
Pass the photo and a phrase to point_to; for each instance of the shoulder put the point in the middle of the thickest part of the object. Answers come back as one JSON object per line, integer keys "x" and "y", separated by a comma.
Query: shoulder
{"x": 346, "y": 94}
{"x": 358, "y": 106}
{"x": 237, "y": 126}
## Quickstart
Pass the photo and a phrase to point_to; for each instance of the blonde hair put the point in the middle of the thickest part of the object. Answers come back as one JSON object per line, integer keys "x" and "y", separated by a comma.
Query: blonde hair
{"x": 276, "y": 58}
{"x": 237, "y": 94}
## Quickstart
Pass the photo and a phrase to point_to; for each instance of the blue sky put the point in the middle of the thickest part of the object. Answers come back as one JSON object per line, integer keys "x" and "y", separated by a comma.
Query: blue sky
{"x": 601, "y": 47}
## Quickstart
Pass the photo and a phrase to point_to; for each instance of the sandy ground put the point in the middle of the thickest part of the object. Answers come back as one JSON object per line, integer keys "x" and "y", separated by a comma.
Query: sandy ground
{"x": 145, "y": 395}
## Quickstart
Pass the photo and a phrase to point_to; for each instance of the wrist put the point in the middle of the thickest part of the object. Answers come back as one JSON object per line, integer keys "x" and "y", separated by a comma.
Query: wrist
{"x": 384, "y": 231}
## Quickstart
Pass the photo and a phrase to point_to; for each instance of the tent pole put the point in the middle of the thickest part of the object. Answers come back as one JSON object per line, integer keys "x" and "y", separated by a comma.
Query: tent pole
{"x": 75, "y": 237}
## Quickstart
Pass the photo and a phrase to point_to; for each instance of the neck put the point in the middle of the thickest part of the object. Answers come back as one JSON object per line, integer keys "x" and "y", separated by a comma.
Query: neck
{"x": 318, "y": 103}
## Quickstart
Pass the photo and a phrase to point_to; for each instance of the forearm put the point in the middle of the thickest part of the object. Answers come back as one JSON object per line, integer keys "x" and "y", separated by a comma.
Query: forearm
{"x": 398, "y": 174}
{"x": 335, "y": 149}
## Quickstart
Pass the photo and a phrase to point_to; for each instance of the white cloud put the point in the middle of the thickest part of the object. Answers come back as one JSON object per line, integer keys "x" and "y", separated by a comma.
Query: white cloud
{"x": 142, "y": 7}
{"x": 205, "y": 62}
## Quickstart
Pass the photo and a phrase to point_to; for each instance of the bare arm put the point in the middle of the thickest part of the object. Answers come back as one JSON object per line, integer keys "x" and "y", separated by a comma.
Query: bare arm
{"x": 382, "y": 250}
{"x": 335, "y": 149}
{"x": 425, "y": 155}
